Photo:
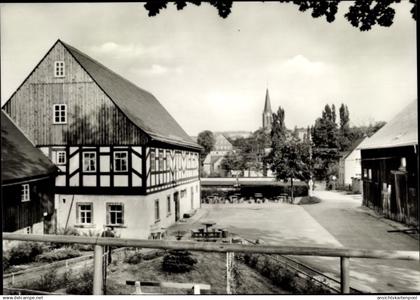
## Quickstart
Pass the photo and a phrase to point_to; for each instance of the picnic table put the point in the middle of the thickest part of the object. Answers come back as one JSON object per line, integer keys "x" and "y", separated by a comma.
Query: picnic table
{"x": 208, "y": 224}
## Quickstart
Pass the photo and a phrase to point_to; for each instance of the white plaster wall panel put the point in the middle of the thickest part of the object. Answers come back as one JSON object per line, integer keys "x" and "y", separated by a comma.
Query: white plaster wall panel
{"x": 136, "y": 163}
{"x": 120, "y": 180}
{"x": 89, "y": 180}
{"x": 104, "y": 149}
{"x": 74, "y": 180}
{"x": 74, "y": 163}
{"x": 60, "y": 180}
{"x": 104, "y": 163}
{"x": 105, "y": 180}
{"x": 136, "y": 180}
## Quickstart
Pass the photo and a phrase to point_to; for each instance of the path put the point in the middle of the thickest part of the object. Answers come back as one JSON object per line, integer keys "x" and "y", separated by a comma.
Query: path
{"x": 338, "y": 221}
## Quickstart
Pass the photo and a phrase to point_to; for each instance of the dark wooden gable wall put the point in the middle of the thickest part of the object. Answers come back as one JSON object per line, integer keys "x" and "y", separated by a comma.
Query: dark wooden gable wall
{"x": 92, "y": 118}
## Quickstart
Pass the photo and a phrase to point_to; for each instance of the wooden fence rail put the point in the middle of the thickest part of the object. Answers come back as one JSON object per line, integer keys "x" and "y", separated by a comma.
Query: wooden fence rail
{"x": 342, "y": 253}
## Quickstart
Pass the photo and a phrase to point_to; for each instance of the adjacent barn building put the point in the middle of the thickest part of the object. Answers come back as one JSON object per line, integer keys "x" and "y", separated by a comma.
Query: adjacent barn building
{"x": 125, "y": 161}
{"x": 390, "y": 168}
{"x": 27, "y": 183}
{"x": 349, "y": 165}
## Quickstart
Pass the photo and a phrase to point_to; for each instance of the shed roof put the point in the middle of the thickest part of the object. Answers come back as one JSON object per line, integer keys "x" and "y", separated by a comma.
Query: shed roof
{"x": 20, "y": 159}
{"x": 399, "y": 131}
{"x": 140, "y": 106}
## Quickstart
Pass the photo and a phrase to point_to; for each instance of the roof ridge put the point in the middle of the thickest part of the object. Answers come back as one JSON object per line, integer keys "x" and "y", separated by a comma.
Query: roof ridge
{"x": 138, "y": 96}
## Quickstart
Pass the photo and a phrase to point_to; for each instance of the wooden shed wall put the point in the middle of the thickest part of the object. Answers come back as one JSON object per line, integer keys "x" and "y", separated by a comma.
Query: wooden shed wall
{"x": 93, "y": 119}
{"x": 18, "y": 214}
{"x": 401, "y": 203}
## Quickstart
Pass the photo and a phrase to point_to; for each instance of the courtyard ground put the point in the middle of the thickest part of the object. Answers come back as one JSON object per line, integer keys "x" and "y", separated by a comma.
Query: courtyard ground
{"x": 338, "y": 221}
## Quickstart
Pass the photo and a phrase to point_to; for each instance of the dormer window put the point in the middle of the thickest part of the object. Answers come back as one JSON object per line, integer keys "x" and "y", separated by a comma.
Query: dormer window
{"x": 60, "y": 113}
{"x": 59, "y": 69}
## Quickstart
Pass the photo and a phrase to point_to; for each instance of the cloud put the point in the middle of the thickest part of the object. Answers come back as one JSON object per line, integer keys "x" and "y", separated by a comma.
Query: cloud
{"x": 157, "y": 70}
{"x": 300, "y": 65}
{"x": 131, "y": 51}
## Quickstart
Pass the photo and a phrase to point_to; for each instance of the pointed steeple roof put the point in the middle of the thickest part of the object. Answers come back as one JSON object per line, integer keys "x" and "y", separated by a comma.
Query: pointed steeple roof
{"x": 267, "y": 105}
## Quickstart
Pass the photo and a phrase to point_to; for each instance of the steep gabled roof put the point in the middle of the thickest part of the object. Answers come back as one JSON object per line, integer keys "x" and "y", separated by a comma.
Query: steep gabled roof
{"x": 353, "y": 147}
{"x": 400, "y": 131}
{"x": 20, "y": 159}
{"x": 140, "y": 106}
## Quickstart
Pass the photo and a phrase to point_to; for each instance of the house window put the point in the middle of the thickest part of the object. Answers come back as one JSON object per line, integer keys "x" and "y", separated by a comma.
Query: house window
{"x": 121, "y": 161}
{"x": 168, "y": 201}
{"x": 61, "y": 158}
{"x": 161, "y": 160}
{"x": 152, "y": 161}
{"x": 89, "y": 162}
{"x": 183, "y": 192}
{"x": 370, "y": 174}
{"x": 60, "y": 113}
{"x": 157, "y": 214}
{"x": 25, "y": 196}
{"x": 84, "y": 213}
{"x": 59, "y": 69}
{"x": 115, "y": 214}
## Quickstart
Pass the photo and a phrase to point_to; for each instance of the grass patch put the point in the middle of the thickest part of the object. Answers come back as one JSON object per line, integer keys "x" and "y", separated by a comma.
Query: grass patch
{"x": 282, "y": 277}
{"x": 209, "y": 269}
{"x": 309, "y": 200}
{"x": 48, "y": 282}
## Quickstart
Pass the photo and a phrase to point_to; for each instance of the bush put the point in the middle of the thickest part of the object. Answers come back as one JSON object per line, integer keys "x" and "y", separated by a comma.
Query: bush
{"x": 309, "y": 200}
{"x": 48, "y": 282}
{"x": 153, "y": 254}
{"x": 64, "y": 231}
{"x": 82, "y": 285}
{"x": 6, "y": 263}
{"x": 314, "y": 288}
{"x": 25, "y": 253}
{"x": 134, "y": 258}
{"x": 58, "y": 254}
{"x": 178, "y": 261}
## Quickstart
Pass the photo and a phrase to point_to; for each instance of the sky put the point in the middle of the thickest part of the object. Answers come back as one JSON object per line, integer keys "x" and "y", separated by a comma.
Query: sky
{"x": 212, "y": 73}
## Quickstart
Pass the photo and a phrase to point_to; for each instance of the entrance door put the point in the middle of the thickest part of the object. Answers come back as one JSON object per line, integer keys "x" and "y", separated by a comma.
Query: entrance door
{"x": 176, "y": 200}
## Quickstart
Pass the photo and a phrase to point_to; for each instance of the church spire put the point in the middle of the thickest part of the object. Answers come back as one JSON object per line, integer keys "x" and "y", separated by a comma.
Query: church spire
{"x": 267, "y": 106}
{"x": 267, "y": 113}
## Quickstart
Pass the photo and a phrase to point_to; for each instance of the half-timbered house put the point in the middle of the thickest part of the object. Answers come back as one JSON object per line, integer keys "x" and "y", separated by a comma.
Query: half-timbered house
{"x": 27, "y": 183}
{"x": 125, "y": 161}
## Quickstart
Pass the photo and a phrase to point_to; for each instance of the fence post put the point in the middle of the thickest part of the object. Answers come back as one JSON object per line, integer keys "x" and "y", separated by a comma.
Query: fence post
{"x": 138, "y": 288}
{"x": 196, "y": 289}
{"x": 344, "y": 273}
{"x": 97, "y": 270}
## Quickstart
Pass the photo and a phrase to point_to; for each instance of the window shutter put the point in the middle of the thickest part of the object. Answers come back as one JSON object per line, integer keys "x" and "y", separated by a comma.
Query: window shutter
{"x": 77, "y": 213}
{"x": 107, "y": 215}
{"x": 122, "y": 217}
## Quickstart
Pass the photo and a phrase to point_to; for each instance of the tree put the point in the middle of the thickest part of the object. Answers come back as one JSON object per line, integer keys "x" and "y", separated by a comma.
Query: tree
{"x": 325, "y": 141}
{"x": 206, "y": 140}
{"x": 233, "y": 161}
{"x": 291, "y": 159}
{"x": 344, "y": 139}
{"x": 362, "y": 14}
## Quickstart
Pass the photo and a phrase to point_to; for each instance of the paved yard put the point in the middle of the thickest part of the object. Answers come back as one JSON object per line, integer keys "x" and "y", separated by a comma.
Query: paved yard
{"x": 338, "y": 221}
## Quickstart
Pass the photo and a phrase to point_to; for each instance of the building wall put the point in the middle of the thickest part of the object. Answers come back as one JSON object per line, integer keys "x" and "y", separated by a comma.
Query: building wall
{"x": 382, "y": 177}
{"x": 92, "y": 118}
{"x": 352, "y": 167}
{"x": 222, "y": 144}
{"x": 167, "y": 168}
{"x": 18, "y": 215}
{"x": 139, "y": 210}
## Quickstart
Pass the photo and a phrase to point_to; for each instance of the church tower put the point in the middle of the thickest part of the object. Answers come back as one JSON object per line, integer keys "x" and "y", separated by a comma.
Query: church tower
{"x": 267, "y": 113}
